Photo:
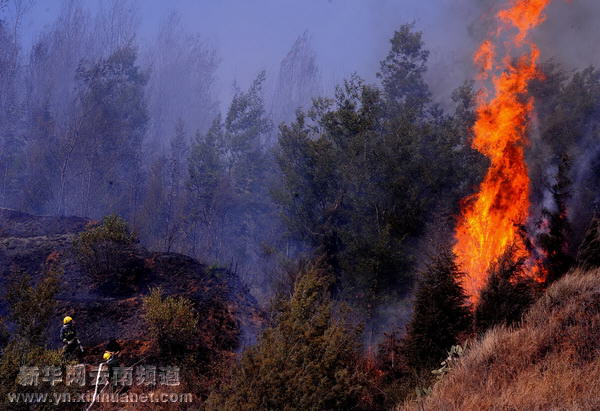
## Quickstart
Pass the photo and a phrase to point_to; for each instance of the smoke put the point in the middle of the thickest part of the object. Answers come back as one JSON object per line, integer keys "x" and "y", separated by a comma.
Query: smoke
{"x": 585, "y": 198}
{"x": 194, "y": 51}
{"x": 570, "y": 33}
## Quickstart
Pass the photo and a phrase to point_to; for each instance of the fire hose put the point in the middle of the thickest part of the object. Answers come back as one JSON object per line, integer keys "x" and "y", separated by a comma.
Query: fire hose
{"x": 96, "y": 388}
{"x": 98, "y": 379}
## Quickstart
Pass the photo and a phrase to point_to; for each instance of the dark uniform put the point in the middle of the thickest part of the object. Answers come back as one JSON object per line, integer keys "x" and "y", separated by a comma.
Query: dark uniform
{"x": 114, "y": 348}
{"x": 68, "y": 336}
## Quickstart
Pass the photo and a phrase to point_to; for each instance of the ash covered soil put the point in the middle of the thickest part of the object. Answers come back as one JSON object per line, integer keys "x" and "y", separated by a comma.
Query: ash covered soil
{"x": 228, "y": 313}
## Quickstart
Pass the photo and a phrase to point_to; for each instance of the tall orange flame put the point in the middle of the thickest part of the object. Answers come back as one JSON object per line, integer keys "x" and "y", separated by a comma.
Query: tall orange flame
{"x": 489, "y": 219}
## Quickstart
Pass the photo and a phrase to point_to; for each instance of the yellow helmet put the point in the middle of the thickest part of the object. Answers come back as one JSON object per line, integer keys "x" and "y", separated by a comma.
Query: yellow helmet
{"x": 67, "y": 320}
{"x": 106, "y": 356}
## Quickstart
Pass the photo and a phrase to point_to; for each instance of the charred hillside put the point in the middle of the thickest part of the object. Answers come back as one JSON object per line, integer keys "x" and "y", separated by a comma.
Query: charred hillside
{"x": 30, "y": 245}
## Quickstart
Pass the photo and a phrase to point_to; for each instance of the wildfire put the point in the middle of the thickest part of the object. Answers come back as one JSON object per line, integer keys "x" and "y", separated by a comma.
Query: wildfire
{"x": 489, "y": 219}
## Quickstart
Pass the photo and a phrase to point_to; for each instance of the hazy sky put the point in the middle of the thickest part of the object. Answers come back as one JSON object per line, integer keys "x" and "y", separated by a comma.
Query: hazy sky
{"x": 348, "y": 35}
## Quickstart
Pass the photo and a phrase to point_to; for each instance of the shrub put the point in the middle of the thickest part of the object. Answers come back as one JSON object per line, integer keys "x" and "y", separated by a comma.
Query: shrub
{"x": 393, "y": 380}
{"x": 20, "y": 353}
{"x": 554, "y": 239}
{"x": 107, "y": 254}
{"x": 306, "y": 360}
{"x": 172, "y": 322}
{"x": 31, "y": 307}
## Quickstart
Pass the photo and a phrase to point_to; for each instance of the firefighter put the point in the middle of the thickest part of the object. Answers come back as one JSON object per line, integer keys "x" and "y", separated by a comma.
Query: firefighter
{"x": 112, "y": 361}
{"x": 68, "y": 335}
{"x": 113, "y": 346}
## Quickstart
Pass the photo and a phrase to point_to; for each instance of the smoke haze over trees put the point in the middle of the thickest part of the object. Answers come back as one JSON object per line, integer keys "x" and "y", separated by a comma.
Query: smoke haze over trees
{"x": 102, "y": 114}
{"x": 318, "y": 151}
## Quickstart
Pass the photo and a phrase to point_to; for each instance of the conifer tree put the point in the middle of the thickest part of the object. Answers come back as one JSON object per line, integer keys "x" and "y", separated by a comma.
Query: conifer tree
{"x": 554, "y": 241}
{"x": 507, "y": 294}
{"x": 441, "y": 314}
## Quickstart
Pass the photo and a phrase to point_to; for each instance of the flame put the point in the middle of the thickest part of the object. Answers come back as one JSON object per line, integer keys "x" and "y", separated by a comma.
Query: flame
{"x": 489, "y": 219}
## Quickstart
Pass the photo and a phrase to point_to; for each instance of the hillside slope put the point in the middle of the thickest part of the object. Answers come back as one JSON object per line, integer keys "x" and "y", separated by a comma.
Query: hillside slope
{"x": 28, "y": 242}
{"x": 551, "y": 362}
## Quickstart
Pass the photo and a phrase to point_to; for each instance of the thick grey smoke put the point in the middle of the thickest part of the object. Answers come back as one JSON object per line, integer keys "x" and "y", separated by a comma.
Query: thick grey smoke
{"x": 193, "y": 52}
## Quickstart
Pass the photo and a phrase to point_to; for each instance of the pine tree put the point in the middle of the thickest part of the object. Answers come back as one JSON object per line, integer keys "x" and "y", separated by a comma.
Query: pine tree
{"x": 507, "y": 294}
{"x": 402, "y": 72}
{"x": 441, "y": 314}
{"x": 554, "y": 241}
{"x": 297, "y": 81}
{"x": 207, "y": 187}
{"x": 114, "y": 119}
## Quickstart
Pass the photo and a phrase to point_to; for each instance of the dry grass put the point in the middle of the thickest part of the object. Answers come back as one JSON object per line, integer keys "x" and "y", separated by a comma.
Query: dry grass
{"x": 550, "y": 362}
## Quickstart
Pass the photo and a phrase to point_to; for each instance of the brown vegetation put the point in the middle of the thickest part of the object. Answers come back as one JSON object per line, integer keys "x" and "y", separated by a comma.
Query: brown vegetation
{"x": 551, "y": 362}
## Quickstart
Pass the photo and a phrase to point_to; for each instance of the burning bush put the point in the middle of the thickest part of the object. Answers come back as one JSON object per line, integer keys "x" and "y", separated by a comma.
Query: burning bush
{"x": 107, "y": 253}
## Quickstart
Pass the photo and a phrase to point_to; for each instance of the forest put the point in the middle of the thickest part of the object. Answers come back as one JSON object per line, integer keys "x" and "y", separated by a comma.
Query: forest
{"x": 338, "y": 212}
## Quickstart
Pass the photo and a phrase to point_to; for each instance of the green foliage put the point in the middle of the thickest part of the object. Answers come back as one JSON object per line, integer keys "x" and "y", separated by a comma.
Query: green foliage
{"x": 41, "y": 157}
{"x": 507, "y": 294}
{"x": 456, "y": 351}
{"x": 246, "y": 123}
{"x": 206, "y": 173}
{"x": 441, "y": 314}
{"x": 113, "y": 124}
{"x": 172, "y": 323}
{"x": 229, "y": 172}
{"x": 162, "y": 218}
{"x": 402, "y": 72}
{"x": 305, "y": 360}
{"x": 362, "y": 173}
{"x": 554, "y": 241}
{"x": 106, "y": 252}
{"x": 31, "y": 306}
{"x": 21, "y": 353}
{"x": 394, "y": 380}
{"x": 567, "y": 107}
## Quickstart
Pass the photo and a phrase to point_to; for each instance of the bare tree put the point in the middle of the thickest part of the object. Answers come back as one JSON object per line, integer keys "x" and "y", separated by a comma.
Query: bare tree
{"x": 115, "y": 26}
{"x": 298, "y": 81}
{"x": 181, "y": 84}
